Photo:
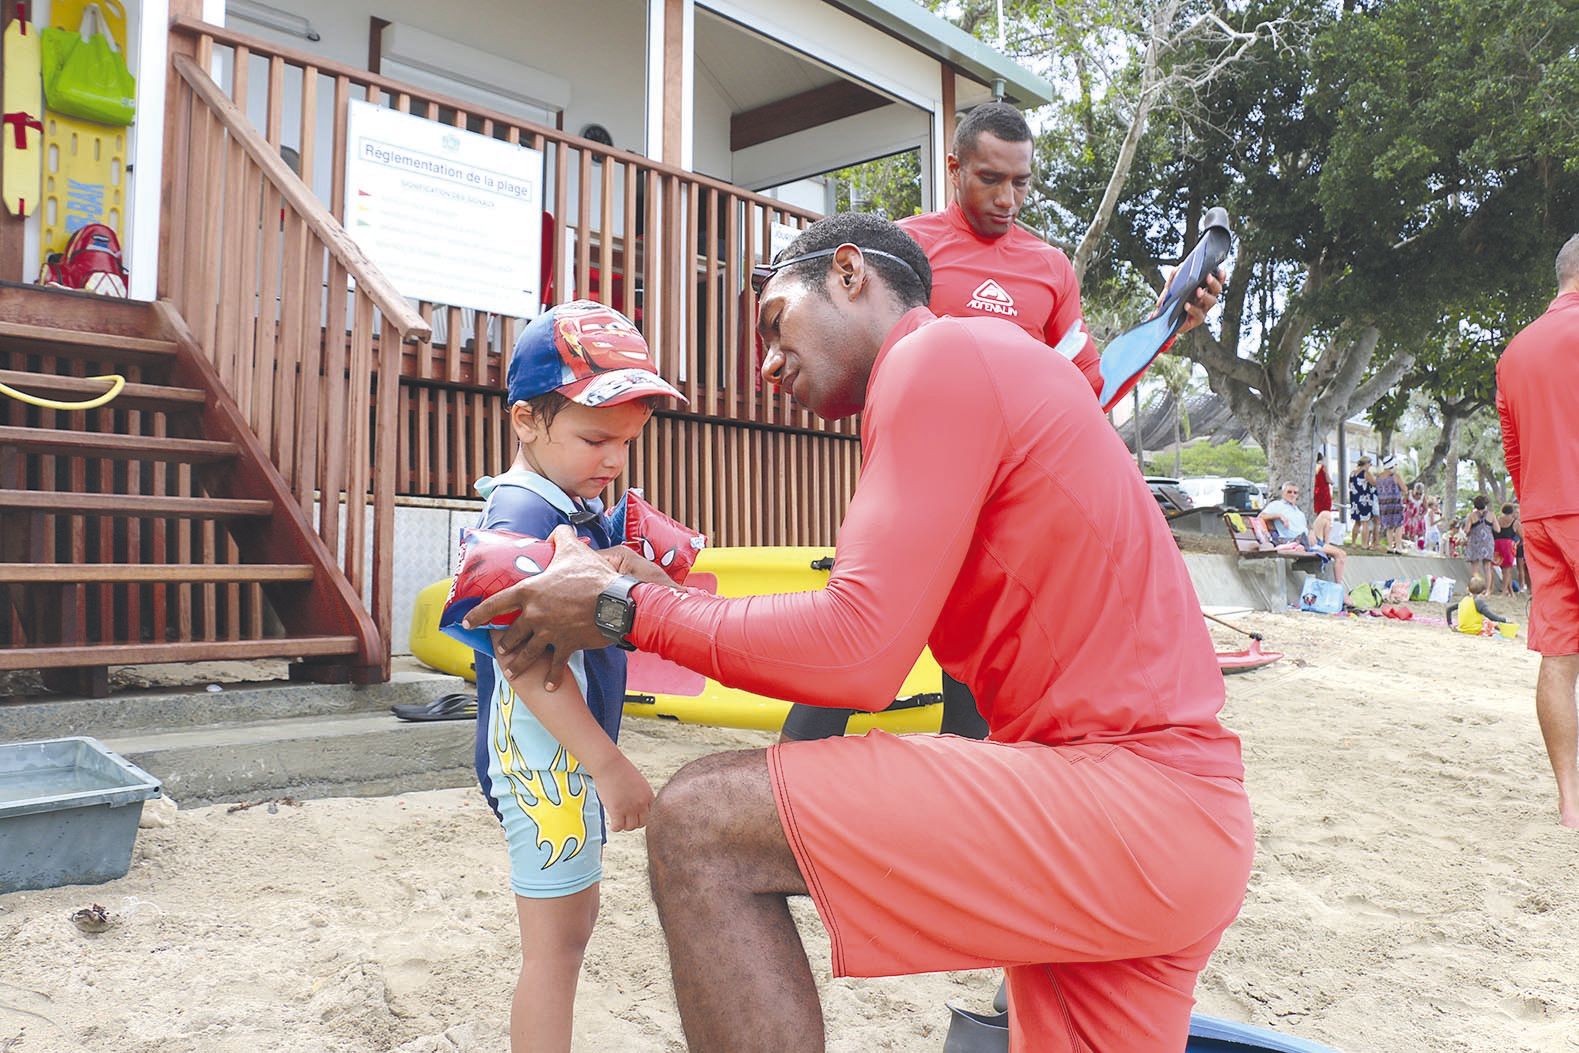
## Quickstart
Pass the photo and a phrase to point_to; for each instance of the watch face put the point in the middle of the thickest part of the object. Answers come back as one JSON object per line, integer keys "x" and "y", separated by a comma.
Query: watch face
{"x": 613, "y": 615}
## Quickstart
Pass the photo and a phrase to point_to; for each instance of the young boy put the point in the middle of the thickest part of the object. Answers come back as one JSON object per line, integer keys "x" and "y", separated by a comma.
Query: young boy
{"x": 581, "y": 387}
{"x": 1471, "y": 614}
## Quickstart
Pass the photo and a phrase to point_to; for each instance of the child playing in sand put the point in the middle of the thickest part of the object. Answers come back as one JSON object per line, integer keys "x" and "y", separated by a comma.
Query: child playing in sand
{"x": 581, "y": 387}
{"x": 1472, "y": 616}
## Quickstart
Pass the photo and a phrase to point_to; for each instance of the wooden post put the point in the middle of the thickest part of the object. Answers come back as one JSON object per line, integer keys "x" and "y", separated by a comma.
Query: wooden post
{"x": 673, "y": 82}
{"x": 175, "y": 100}
{"x": 945, "y": 192}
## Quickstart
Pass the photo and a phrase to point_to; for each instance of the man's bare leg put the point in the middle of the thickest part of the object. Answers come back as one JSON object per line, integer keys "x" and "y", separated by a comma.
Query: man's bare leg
{"x": 721, "y": 870}
{"x": 1554, "y": 705}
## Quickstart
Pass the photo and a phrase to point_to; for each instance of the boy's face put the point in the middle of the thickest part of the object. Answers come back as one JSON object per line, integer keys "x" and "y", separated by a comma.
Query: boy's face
{"x": 583, "y": 450}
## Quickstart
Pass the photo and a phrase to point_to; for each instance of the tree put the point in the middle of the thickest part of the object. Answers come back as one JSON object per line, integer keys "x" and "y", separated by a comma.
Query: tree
{"x": 1483, "y": 449}
{"x": 889, "y": 186}
{"x": 1178, "y": 381}
{"x": 1375, "y": 197}
{"x": 1183, "y": 46}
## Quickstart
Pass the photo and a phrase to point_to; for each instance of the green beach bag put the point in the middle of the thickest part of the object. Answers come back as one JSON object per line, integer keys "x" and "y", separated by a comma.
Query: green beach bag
{"x": 85, "y": 75}
{"x": 1365, "y": 597}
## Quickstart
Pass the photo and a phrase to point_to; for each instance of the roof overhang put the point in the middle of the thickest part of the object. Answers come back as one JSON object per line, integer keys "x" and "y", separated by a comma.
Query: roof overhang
{"x": 948, "y": 43}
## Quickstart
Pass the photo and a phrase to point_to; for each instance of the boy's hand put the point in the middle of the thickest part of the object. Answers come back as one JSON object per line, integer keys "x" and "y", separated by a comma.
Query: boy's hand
{"x": 625, "y": 793}
{"x": 629, "y": 561}
{"x": 556, "y": 611}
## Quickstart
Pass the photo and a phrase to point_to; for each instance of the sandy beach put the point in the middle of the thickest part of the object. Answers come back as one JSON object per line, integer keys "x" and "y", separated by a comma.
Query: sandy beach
{"x": 1412, "y": 892}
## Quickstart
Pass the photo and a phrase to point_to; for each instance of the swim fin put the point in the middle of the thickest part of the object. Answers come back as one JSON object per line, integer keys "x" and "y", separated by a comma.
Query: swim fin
{"x": 1126, "y": 356}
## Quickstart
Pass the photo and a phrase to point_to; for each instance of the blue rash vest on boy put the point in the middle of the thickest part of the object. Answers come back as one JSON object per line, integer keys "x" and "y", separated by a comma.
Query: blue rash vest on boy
{"x": 527, "y": 503}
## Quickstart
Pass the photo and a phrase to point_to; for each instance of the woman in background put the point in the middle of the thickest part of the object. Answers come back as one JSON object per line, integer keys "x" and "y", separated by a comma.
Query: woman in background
{"x": 1362, "y": 502}
{"x": 1390, "y": 502}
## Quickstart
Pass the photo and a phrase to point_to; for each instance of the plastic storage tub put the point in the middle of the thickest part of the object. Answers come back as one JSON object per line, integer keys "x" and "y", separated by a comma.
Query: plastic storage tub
{"x": 68, "y": 813}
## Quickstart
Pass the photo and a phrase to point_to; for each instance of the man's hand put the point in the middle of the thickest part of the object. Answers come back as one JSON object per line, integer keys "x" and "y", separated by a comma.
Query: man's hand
{"x": 556, "y": 610}
{"x": 629, "y": 561}
{"x": 1203, "y": 300}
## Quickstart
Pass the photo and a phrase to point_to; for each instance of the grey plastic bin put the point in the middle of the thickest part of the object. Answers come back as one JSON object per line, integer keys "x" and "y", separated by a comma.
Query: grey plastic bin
{"x": 68, "y": 813}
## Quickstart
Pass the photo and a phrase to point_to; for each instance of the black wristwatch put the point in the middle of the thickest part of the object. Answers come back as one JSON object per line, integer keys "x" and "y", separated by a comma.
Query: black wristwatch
{"x": 615, "y": 614}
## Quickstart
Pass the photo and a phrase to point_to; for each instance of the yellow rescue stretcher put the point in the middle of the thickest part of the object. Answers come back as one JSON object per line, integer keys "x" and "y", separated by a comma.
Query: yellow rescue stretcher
{"x": 659, "y": 689}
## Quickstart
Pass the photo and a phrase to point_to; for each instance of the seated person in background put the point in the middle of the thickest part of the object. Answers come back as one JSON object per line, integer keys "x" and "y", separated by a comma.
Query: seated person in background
{"x": 1288, "y": 526}
{"x": 1471, "y": 615}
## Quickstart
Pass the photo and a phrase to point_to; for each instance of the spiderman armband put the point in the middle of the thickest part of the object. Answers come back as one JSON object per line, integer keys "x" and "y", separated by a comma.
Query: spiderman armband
{"x": 491, "y": 560}
{"x": 666, "y": 541}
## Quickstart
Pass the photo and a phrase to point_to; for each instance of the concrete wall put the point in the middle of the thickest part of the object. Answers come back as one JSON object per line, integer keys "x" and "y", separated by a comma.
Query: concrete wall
{"x": 1272, "y": 584}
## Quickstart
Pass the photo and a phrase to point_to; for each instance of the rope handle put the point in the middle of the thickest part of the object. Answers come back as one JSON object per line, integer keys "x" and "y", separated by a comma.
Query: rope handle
{"x": 116, "y": 384}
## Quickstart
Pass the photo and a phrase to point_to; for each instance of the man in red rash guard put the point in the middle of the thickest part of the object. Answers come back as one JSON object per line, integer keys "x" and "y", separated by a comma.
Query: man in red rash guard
{"x": 982, "y": 263}
{"x": 1539, "y": 405}
{"x": 1096, "y": 846}
{"x": 985, "y": 265}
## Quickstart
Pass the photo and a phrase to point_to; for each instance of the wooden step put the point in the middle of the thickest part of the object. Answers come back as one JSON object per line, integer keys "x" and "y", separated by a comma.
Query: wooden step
{"x": 171, "y": 574}
{"x": 45, "y": 339}
{"x": 118, "y": 447}
{"x": 85, "y": 655}
{"x": 154, "y": 397}
{"x": 133, "y": 505}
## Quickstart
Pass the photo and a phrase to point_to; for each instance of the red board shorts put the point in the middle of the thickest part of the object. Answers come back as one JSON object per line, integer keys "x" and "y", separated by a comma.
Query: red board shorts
{"x": 1507, "y": 550}
{"x": 1551, "y": 548}
{"x": 1100, "y": 879}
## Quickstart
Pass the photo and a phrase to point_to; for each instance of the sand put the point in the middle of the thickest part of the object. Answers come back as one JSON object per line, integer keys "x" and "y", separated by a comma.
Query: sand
{"x": 1412, "y": 892}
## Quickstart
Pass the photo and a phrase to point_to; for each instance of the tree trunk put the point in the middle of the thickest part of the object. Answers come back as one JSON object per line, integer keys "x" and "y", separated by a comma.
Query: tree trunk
{"x": 1450, "y": 481}
{"x": 1442, "y": 450}
{"x": 1161, "y": 19}
{"x": 1291, "y": 458}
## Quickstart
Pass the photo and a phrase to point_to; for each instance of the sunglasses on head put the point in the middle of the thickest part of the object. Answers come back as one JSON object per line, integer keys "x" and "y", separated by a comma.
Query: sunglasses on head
{"x": 762, "y": 272}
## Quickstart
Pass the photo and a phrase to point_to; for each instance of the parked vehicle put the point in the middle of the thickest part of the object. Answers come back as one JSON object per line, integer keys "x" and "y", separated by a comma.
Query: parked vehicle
{"x": 1235, "y": 492}
{"x": 1170, "y": 496}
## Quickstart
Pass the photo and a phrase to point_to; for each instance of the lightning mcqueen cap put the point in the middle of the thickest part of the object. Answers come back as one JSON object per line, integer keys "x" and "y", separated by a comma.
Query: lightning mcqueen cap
{"x": 587, "y": 352}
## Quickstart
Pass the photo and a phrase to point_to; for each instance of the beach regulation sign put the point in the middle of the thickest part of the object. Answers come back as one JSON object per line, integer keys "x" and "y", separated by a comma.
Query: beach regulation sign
{"x": 449, "y": 216}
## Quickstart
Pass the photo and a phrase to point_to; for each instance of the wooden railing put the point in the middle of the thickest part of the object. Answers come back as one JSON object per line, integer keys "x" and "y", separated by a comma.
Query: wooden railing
{"x": 669, "y": 248}
{"x": 260, "y": 272}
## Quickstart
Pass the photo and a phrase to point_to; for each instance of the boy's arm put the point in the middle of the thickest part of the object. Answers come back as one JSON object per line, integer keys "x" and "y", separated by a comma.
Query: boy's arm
{"x": 625, "y": 794}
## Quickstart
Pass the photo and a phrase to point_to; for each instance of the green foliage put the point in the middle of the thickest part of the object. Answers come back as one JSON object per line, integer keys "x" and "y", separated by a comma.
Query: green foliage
{"x": 1402, "y": 167}
{"x": 889, "y": 186}
{"x": 1205, "y": 458}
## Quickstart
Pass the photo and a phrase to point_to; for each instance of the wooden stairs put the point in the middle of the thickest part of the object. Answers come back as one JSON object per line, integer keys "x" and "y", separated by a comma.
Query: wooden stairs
{"x": 154, "y": 529}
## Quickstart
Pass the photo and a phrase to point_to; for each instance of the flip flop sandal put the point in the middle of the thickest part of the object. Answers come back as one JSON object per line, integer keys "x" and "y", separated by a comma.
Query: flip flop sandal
{"x": 458, "y": 706}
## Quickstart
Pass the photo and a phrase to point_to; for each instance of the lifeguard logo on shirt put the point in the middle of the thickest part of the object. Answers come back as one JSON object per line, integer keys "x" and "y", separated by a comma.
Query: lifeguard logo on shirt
{"x": 992, "y": 298}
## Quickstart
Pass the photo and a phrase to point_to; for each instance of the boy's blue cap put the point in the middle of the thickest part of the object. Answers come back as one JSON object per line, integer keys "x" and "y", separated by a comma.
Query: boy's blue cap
{"x": 589, "y": 353}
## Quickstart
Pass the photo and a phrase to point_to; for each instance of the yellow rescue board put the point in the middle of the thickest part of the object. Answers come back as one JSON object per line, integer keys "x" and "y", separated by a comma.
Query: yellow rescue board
{"x": 21, "y": 155}
{"x": 84, "y": 162}
{"x": 660, "y": 689}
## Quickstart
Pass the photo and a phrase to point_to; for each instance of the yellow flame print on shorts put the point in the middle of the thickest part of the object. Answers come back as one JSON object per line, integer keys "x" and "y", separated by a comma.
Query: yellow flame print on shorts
{"x": 546, "y": 797}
